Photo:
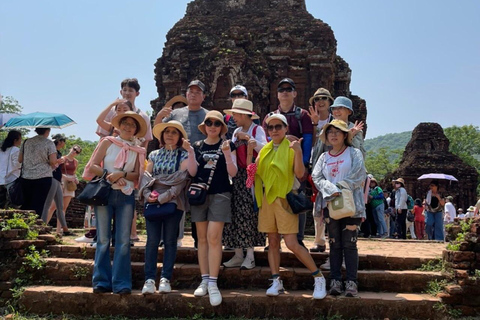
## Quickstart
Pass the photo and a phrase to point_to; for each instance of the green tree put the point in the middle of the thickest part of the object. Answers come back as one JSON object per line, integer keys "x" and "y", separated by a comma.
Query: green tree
{"x": 382, "y": 162}
{"x": 84, "y": 156}
{"x": 10, "y": 105}
{"x": 465, "y": 143}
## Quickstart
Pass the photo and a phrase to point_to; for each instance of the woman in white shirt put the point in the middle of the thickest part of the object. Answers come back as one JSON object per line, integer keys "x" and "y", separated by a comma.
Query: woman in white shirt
{"x": 10, "y": 167}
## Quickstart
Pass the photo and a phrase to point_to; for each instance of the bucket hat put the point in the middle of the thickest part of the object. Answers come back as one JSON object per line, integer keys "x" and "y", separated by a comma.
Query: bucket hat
{"x": 214, "y": 114}
{"x": 131, "y": 114}
{"x": 342, "y": 102}
{"x": 401, "y": 181}
{"x": 340, "y": 125}
{"x": 242, "y": 106}
{"x": 158, "y": 129}
{"x": 321, "y": 92}
{"x": 176, "y": 99}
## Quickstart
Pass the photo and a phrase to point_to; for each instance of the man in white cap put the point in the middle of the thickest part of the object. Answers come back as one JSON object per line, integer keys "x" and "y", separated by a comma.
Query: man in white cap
{"x": 237, "y": 92}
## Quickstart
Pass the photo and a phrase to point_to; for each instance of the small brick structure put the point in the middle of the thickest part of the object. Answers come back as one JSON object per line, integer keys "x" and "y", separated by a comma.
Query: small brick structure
{"x": 464, "y": 293}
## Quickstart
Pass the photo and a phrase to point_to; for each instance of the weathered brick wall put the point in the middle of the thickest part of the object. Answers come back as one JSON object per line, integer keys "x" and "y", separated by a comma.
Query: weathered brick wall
{"x": 464, "y": 293}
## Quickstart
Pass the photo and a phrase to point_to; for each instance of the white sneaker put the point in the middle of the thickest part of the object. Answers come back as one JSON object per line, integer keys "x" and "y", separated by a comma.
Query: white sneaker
{"x": 276, "y": 288}
{"x": 164, "y": 286}
{"x": 235, "y": 262}
{"x": 214, "y": 295}
{"x": 149, "y": 287}
{"x": 319, "y": 288}
{"x": 248, "y": 264}
{"x": 84, "y": 239}
{"x": 326, "y": 265}
{"x": 179, "y": 243}
{"x": 201, "y": 290}
{"x": 93, "y": 244}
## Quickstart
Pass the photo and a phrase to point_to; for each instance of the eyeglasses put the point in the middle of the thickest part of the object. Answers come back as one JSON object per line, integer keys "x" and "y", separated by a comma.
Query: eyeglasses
{"x": 320, "y": 98}
{"x": 333, "y": 132}
{"x": 277, "y": 127}
{"x": 129, "y": 124}
{"x": 237, "y": 95}
{"x": 289, "y": 89}
{"x": 210, "y": 123}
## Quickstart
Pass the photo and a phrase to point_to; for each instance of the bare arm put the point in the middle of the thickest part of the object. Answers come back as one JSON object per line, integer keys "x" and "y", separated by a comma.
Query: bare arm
{"x": 190, "y": 163}
{"x": 101, "y": 117}
{"x": 298, "y": 166}
{"x": 229, "y": 159}
{"x": 95, "y": 168}
{"x": 165, "y": 112}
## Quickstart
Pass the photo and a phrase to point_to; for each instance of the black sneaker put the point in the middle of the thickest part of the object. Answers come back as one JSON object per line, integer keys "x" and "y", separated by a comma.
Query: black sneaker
{"x": 100, "y": 289}
{"x": 318, "y": 248}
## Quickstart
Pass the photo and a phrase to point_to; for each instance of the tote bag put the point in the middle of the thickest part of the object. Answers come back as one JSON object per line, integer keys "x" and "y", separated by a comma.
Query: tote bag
{"x": 342, "y": 206}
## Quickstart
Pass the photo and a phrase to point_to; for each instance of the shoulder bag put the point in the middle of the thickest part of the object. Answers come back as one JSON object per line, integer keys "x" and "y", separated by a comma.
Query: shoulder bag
{"x": 96, "y": 192}
{"x": 342, "y": 206}
{"x": 71, "y": 185}
{"x": 197, "y": 192}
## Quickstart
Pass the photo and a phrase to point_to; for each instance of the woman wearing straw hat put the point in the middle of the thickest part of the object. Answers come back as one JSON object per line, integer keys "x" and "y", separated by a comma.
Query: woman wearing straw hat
{"x": 123, "y": 162}
{"x": 342, "y": 163}
{"x": 218, "y": 156}
{"x": 170, "y": 167}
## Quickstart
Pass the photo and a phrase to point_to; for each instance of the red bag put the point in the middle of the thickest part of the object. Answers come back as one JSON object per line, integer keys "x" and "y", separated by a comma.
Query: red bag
{"x": 242, "y": 152}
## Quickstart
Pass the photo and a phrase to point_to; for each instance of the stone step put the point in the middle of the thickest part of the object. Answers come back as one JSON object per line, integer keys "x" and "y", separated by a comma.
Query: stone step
{"x": 189, "y": 255}
{"x": 62, "y": 271}
{"x": 44, "y": 300}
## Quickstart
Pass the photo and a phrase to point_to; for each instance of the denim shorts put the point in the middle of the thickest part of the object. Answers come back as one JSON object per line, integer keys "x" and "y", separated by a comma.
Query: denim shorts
{"x": 217, "y": 207}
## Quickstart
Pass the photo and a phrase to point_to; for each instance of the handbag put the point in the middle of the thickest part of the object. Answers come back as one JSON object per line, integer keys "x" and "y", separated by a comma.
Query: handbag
{"x": 342, "y": 206}
{"x": 410, "y": 216}
{"x": 71, "y": 185}
{"x": 96, "y": 192}
{"x": 299, "y": 202}
{"x": 15, "y": 190}
{"x": 197, "y": 192}
{"x": 158, "y": 212}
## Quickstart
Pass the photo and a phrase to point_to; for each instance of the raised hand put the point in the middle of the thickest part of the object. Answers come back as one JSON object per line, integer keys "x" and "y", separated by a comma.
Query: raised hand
{"x": 186, "y": 144}
{"x": 313, "y": 114}
{"x": 296, "y": 145}
{"x": 226, "y": 146}
{"x": 243, "y": 136}
{"x": 357, "y": 127}
{"x": 165, "y": 112}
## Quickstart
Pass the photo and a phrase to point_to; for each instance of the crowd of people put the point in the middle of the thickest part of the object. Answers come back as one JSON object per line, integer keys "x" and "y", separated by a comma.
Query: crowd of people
{"x": 235, "y": 176}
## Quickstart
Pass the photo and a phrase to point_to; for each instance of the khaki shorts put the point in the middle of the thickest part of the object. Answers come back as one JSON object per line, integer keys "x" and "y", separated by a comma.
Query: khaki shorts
{"x": 277, "y": 217}
{"x": 217, "y": 207}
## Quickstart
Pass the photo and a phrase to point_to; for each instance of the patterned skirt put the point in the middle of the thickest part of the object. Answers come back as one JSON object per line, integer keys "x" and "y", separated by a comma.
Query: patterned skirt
{"x": 242, "y": 232}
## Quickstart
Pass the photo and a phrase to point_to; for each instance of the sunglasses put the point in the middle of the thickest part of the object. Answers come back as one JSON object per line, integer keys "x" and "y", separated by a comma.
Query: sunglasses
{"x": 320, "y": 98}
{"x": 237, "y": 95}
{"x": 76, "y": 150}
{"x": 210, "y": 123}
{"x": 289, "y": 89}
{"x": 277, "y": 127}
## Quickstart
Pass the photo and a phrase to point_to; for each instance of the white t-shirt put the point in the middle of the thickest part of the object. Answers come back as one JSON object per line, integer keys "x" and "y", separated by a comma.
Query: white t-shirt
{"x": 9, "y": 165}
{"x": 336, "y": 168}
{"x": 321, "y": 123}
{"x": 450, "y": 212}
{"x": 109, "y": 161}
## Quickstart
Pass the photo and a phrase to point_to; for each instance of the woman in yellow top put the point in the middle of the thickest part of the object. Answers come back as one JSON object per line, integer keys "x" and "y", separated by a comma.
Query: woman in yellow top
{"x": 277, "y": 164}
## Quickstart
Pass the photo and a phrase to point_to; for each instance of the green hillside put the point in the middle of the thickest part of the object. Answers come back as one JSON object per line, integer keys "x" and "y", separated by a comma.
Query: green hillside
{"x": 391, "y": 141}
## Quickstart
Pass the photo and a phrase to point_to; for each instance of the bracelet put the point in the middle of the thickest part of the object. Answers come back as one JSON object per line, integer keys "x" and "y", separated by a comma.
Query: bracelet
{"x": 315, "y": 124}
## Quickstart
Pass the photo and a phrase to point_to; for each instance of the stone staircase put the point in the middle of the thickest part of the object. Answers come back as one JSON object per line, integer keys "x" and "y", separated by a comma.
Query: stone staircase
{"x": 390, "y": 287}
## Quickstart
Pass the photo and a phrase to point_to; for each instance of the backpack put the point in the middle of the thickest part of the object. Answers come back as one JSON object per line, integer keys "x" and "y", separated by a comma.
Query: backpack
{"x": 410, "y": 202}
{"x": 297, "y": 112}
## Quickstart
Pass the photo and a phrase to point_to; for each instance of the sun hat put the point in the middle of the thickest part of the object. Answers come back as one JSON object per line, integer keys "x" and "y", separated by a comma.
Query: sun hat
{"x": 471, "y": 208}
{"x": 342, "y": 102}
{"x": 277, "y": 116}
{"x": 242, "y": 106}
{"x": 321, "y": 92}
{"x": 374, "y": 180}
{"x": 449, "y": 198}
{"x": 460, "y": 210}
{"x": 340, "y": 125}
{"x": 176, "y": 99}
{"x": 240, "y": 88}
{"x": 158, "y": 129}
{"x": 286, "y": 80}
{"x": 400, "y": 180}
{"x": 213, "y": 114}
{"x": 197, "y": 83}
{"x": 131, "y": 114}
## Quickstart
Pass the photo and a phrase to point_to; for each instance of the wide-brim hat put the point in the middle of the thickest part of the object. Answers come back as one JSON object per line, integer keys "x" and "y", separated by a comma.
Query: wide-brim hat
{"x": 131, "y": 114}
{"x": 158, "y": 129}
{"x": 401, "y": 181}
{"x": 342, "y": 102}
{"x": 176, "y": 99}
{"x": 216, "y": 115}
{"x": 449, "y": 198}
{"x": 374, "y": 180}
{"x": 321, "y": 92}
{"x": 242, "y": 106}
{"x": 340, "y": 125}
{"x": 471, "y": 209}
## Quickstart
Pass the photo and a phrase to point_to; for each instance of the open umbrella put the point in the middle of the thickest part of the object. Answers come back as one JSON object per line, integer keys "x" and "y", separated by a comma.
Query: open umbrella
{"x": 5, "y": 116}
{"x": 440, "y": 176}
{"x": 40, "y": 120}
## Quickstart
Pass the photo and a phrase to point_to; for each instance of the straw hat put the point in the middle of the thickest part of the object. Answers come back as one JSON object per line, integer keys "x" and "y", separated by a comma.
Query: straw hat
{"x": 176, "y": 99}
{"x": 213, "y": 115}
{"x": 131, "y": 114}
{"x": 400, "y": 180}
{"x": 242, "y": 106}
{"x": 471, "y": 209}
{"x": 340, "y": 125}
{"x": 321, "y": 92}
{"x": 158, "y": 129}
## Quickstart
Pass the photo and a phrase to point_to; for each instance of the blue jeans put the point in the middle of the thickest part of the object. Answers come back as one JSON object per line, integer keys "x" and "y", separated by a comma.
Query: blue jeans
{"x": 167, "y": 230}
{"x": 343, "y": 243}
{"x": 119, "y": 276}
{"x": 434, "y": 225}
{"x": 380, "y": 220}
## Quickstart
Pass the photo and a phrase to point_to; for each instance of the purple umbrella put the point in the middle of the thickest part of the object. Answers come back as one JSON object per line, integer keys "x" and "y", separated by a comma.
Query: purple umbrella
{"x": 441, "y": 176}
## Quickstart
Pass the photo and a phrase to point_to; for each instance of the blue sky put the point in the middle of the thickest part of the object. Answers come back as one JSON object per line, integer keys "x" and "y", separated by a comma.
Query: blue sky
{"x": 413, "y": 61}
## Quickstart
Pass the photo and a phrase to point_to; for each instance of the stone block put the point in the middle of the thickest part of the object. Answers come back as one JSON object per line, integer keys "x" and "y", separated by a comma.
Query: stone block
{"x": 460, "y": 273}
{"x": 454, "y": 289}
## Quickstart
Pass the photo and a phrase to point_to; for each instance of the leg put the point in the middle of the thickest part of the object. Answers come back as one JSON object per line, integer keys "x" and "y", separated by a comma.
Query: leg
{"x": 133, "y": 231}
{"x": 66, "y": 203}
{"x": 58, "y": 198}
{"x": 300, "y": 252}
{"x": 124, "y": 206}
{"x": 151, "y": 248}
{"x": 349, "y": 241}
{"x": 438, "y": 226}
{"x": 202, "y": 228}
{"x": 49, "y": 202}
{"x": 302, "y": 220}
{"x": 429, "y": 225}
{"x": 102, "y": 268}
{"x": 335, "y": 244}
{"x": 274, "y": 252}
{"x": 170, "y": 233}
{"x": 382, "y": 226}
{"x": 181, "y": 227}
{"x": 214, "y": 239}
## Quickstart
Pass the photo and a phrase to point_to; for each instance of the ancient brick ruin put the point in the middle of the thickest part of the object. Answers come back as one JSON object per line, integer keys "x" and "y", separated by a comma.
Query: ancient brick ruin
{"x": 254, "y": 43}
{"x": 427, "y": 152}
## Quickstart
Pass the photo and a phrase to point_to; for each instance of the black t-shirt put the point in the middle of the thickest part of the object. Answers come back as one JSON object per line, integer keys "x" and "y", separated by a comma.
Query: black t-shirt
{"x": 57, "y": 173}
{"x": 205, "y": 154}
